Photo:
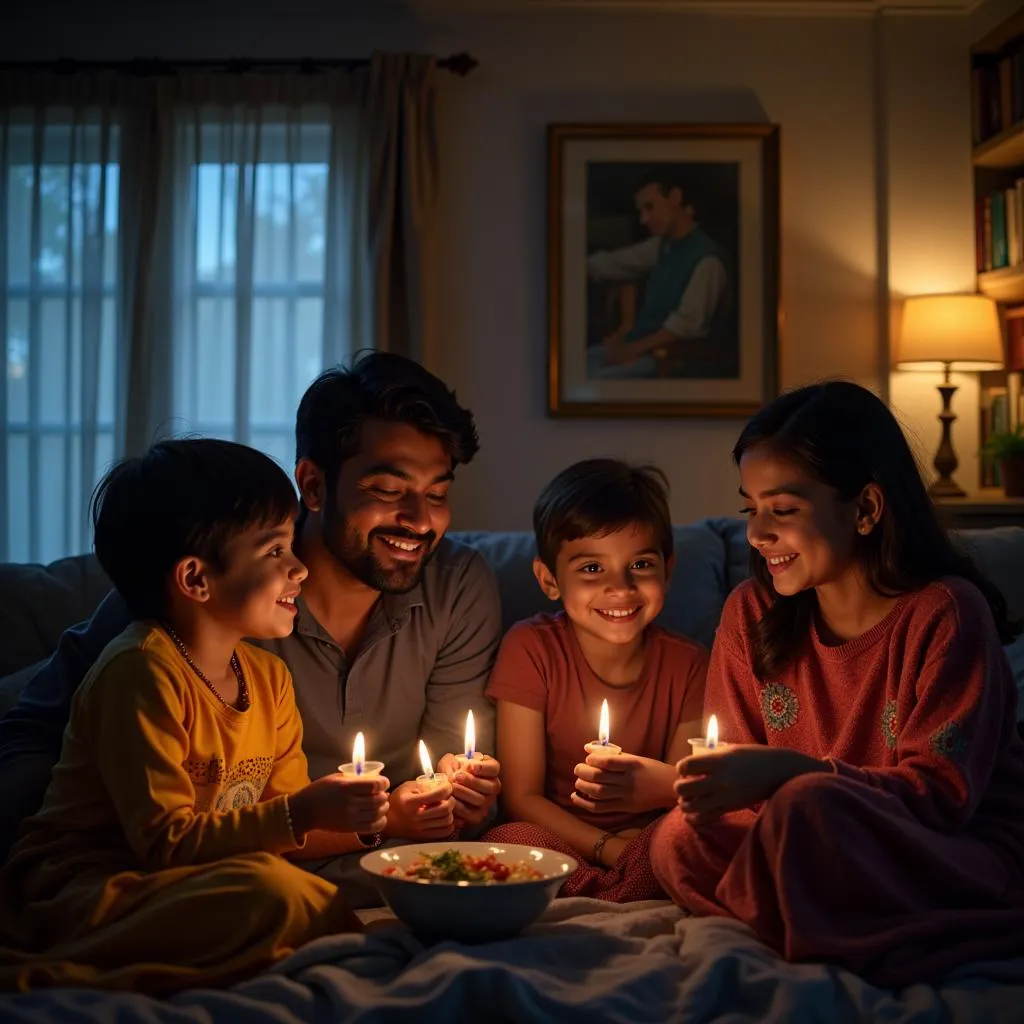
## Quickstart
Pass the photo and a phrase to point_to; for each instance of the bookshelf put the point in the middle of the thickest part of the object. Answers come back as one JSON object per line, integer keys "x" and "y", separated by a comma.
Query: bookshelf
{"x": 997, "y": 158}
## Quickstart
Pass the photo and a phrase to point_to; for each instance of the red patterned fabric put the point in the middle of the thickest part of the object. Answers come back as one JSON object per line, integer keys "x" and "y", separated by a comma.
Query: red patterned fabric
{"x": 630, "y": 880}
{"x": 908, "y": 860}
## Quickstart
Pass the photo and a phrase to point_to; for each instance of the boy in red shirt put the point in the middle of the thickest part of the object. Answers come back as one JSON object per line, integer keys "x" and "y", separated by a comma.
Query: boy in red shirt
{"x": 604, "y": 542}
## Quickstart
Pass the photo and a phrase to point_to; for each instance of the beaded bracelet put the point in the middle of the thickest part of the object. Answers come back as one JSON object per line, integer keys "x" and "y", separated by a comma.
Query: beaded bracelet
{"x": 369, "y": 840}
{"x": 595, "y": 855}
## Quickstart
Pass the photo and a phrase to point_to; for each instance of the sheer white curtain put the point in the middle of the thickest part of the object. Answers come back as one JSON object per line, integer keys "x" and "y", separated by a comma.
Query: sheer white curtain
{"x": 59, "y": 275}
{"x": 255, "y": 236}
{"x": 182, "y": 255}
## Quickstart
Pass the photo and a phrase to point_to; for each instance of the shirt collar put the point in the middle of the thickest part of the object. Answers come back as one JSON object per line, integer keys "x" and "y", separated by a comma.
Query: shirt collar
{"x": 395, "y": 607}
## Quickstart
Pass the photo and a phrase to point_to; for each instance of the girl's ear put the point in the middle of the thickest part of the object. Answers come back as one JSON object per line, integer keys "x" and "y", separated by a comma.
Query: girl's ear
{"x": 546, "y": 580}
{"x": 870, "y": 506}
{"x": 190, "y": 577}
{"x": 670, "y": 564}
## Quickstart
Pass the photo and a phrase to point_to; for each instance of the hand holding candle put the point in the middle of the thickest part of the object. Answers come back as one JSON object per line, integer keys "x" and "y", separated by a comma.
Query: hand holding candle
{"x": 359, "y": 766}
{"x": 471, "y": 755}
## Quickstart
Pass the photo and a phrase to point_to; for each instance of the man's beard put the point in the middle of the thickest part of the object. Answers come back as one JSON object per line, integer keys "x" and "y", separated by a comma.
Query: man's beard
{"x": 346, "y": 544}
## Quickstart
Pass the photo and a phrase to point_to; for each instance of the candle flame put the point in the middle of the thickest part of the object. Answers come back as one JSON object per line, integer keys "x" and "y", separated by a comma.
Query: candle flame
{"x": 359, "y": 753}
{"x": 604, "y": 731}
{"x": 713, "y": 732}
{"x": 425, "y": 760}
{"x": 470, "y": 736}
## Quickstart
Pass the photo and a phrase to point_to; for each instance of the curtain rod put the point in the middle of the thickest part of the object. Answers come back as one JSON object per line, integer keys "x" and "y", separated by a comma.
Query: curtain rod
{"x": 460, "y": 64}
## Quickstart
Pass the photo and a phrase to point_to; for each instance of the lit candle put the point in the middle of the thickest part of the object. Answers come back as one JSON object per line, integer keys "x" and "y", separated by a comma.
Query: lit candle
{"x": 471, "y": 754}
{"x": 429, "y": 779}
{"x": 359, "y": 766}
{"x": 603, "y": 744}
{"x": 709, "y": 742}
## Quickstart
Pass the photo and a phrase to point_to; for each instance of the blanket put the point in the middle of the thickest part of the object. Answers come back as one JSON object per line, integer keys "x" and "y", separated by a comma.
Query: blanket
{"x": 585, "y": 962}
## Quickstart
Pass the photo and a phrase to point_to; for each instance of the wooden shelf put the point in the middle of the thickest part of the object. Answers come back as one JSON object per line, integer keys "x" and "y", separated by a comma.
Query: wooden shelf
{"x": 1003, "y": 285}
{"x": 1001, "y": 151}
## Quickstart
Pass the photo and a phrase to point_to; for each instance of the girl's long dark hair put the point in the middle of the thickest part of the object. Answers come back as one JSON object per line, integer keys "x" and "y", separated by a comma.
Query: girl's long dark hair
{"x": 845, "y": 436}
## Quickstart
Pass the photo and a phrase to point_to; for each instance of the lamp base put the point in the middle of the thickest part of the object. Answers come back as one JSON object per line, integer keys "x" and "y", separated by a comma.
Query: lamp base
{"x": 945, "y": 457}
{"x": 946, "y": 488}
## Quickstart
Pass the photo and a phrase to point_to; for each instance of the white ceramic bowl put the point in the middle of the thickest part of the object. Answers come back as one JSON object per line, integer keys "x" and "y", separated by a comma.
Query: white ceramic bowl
{"x": 469, "y": 912}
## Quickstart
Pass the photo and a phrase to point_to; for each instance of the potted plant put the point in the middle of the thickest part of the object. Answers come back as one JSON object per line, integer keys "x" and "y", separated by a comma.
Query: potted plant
{"x": 1007, "y": 448}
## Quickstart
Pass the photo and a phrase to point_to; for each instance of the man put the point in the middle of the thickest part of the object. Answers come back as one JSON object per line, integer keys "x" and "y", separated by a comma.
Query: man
{"x": 397, "y": 627}
{"x": 684, "y": 309}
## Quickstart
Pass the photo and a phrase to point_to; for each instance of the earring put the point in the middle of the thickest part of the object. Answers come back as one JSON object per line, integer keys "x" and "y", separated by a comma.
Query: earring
{"x": 865, "y": 528}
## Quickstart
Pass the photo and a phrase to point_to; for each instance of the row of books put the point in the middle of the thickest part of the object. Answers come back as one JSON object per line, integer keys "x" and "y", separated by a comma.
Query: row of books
{"x": 998, "y": 390}
{"x": 999, "y": 228}
{"x": 997, "y": 94}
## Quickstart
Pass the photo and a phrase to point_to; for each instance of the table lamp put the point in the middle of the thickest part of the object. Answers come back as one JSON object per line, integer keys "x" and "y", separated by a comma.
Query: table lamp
{"x": 949, "y": 332}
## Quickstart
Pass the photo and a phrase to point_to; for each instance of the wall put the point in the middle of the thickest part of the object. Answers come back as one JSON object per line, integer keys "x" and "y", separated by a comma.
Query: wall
{"x": 816, "y": 76}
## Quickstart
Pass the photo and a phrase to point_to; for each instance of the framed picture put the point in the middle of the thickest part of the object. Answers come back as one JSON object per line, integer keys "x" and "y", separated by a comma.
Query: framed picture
{"x": 663, "y": 269}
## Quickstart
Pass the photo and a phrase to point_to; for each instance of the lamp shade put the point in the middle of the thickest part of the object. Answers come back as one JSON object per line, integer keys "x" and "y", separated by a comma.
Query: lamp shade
{"x": 960, "y": 331}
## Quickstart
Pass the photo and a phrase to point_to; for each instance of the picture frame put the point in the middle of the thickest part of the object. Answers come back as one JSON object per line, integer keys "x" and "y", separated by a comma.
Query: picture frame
{"x": 663, "y": 269}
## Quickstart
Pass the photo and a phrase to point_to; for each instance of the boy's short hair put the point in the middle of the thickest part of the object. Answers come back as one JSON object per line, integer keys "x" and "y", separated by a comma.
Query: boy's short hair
{"x": 596, "y": 497}
{"x": 182, "y": 498}
{"x": 378, "y": 386}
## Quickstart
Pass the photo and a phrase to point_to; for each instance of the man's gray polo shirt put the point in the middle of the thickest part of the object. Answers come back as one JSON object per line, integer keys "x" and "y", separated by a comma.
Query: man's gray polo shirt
{"x": 422, "y": 664}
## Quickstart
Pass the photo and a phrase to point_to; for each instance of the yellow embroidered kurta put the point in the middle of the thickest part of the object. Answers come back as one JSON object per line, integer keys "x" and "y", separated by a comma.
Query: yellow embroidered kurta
{"x": 154, "y": 863}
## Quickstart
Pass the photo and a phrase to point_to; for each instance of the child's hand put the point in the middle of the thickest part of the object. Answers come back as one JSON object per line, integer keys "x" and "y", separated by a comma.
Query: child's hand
{"x": 421, "y": 814}
{"x": 474, "y": 787}
{"x": 340, "y": 803}
{"x": 737, "y": 777}
{"x": 622, "y": 782}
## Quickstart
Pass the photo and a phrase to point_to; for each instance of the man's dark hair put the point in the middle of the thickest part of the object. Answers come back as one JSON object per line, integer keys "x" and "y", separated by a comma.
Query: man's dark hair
{"x": 596, "y": 497}
{"x": 665, "y": 176}
{"x": 378, "y": 386}
{"x": 182, "y": 498}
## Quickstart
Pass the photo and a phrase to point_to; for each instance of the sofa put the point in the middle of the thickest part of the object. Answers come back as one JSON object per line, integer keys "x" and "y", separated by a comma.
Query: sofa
{"x": 38, "y": 602}
{"x": 584, "y": 961}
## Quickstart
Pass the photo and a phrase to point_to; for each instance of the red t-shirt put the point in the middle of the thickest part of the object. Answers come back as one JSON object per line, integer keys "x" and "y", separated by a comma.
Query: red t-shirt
{"x": 540, "y": 666}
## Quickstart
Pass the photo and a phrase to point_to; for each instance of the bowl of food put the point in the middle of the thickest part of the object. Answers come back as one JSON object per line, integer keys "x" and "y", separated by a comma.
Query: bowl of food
{"x": 473, "y": 892}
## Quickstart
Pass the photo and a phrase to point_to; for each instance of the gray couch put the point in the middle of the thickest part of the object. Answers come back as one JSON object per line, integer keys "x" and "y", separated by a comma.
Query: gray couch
{"x": 38, "y": 602}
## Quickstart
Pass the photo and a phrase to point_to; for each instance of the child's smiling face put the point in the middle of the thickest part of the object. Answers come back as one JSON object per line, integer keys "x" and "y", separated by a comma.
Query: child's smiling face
{"x": 613, "y": 586}
{"x": 255, "y": 590}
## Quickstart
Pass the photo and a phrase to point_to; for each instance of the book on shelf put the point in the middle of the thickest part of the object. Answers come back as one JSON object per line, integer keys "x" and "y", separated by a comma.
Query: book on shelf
{"x": 995, "y": 417}
{"x": 999, "y": 228}
{"x": 997, "y": 92}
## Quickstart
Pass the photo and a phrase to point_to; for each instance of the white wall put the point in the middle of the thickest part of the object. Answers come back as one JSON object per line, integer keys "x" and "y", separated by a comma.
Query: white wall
{"x": 814, "y": 75}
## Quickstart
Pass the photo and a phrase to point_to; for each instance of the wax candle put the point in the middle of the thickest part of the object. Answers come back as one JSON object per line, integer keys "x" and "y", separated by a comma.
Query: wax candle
{"x": 359, "y": 766}
{"x": 603, "y": 744}
{"x": 469, "y": 746}
{"x": 429, "y": 779}
{"x": 700, "y": 744}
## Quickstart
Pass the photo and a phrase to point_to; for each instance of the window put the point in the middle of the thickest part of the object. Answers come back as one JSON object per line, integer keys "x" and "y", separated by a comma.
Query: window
{"x": 59, "y": 274}
{"x": 248, "y": 337}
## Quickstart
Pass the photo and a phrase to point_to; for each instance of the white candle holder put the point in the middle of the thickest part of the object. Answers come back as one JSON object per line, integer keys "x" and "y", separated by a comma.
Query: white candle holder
{"x": 430, "y": 782}
{"x": 369, "y": 770}
{"x": 605, "y": 749}
{"x": 463, "y": 760}
{"x": 699, "y": 745}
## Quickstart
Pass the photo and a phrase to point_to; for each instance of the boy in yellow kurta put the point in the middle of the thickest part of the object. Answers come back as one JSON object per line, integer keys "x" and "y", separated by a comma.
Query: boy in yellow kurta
{"x": 155, "y": 862}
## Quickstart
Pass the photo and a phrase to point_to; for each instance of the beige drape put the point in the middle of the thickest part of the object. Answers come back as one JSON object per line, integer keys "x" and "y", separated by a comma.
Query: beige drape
{"x": 401, "y": 105}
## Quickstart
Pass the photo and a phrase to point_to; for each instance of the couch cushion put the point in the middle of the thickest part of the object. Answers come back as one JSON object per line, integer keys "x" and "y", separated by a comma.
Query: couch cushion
{"x": 37, "y": 603}
{"x": 696, "y": 592}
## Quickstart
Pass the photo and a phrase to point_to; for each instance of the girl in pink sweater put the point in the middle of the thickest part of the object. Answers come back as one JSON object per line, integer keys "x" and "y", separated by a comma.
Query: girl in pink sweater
{"x": 868, "y": 809}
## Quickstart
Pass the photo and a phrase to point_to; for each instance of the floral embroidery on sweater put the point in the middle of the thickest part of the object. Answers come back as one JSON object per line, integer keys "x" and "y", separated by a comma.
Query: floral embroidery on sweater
{"x": 779, "y": 705}
{"x": 890, "y": 728}
{"x": 949, "y": 741}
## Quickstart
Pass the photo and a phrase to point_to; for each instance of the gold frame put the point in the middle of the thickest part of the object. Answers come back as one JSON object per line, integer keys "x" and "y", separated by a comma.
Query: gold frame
{"x": 557, "y": 135}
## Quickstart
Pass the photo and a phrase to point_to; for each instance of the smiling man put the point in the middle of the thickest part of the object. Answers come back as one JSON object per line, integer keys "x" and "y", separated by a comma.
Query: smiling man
{"x": 396, "y": 628}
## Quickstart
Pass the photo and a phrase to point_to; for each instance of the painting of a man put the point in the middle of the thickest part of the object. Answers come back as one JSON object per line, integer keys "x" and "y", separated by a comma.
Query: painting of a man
{"x": 663, "y": 305}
